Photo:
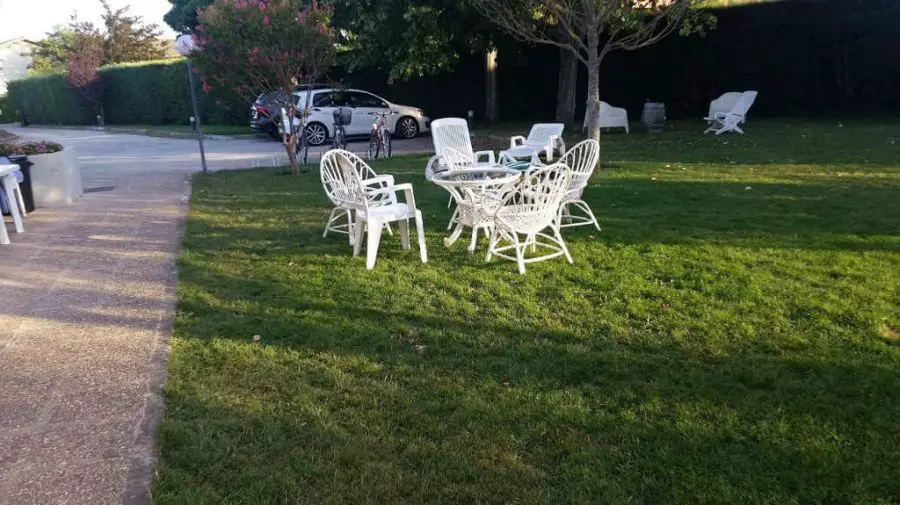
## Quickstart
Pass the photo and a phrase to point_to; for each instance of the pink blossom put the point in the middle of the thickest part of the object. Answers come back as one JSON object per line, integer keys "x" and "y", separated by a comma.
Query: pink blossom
{"x": 261, "y": 6}
{"x": 206, "y": 88}
{"x": 266, "y": 20}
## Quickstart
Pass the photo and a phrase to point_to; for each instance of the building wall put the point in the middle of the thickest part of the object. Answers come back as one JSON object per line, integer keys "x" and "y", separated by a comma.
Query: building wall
{"x": 15, "y": 56}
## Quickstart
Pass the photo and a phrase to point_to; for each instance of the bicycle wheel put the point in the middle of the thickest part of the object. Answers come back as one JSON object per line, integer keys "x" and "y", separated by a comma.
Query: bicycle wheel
{"x": 386, "y": 136}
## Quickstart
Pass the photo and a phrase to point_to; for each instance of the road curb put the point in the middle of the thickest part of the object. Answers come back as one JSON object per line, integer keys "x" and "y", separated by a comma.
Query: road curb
{"x": 144, "y": 132}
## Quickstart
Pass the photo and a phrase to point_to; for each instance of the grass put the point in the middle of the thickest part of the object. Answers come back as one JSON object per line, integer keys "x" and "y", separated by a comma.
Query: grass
{"x": 732, "y": 336}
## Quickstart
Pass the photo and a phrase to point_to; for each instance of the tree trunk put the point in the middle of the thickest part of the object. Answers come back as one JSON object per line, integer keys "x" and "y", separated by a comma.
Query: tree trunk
{"x": 490, "y": 86}
{"x": 592, "y": 115}
{"x": 567, "y": 86}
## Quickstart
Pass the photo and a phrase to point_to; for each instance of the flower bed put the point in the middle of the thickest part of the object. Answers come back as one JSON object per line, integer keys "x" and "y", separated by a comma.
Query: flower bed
{"x": 28, "y": 148}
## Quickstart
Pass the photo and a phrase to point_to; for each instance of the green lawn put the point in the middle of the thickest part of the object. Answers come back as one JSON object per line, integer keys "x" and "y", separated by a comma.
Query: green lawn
{"x": 732, "y": 336}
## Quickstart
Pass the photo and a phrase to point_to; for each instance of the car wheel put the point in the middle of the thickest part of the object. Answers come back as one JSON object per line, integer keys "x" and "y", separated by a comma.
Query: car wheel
{"x": 407, "y": 127}
{"x": 316, "y": 134}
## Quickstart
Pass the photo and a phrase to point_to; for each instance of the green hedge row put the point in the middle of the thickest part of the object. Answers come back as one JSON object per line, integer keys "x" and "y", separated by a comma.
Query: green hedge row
{"x": 152, "y": 93}
{"x": 7, "y": 111}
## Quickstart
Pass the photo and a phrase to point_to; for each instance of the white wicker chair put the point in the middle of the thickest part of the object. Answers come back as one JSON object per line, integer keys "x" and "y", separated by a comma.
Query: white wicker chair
{"x": 543, "y": 137}
{"x": 529, "y": 209}
{"x": 453, "y": 133}
{"x": 731, "y": 121}
{"x": 613, "y": 117}
{"x": 581, "y": 160}
{"x": 335, "y": 183}
{"x": 373, "y": 206}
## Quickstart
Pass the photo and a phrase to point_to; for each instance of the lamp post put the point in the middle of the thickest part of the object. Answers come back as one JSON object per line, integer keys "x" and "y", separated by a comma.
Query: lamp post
{"x": 185, "y": 45}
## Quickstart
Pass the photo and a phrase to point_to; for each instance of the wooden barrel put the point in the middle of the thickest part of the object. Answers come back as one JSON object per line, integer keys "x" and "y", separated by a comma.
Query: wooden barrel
{"x": 654, "y": 116}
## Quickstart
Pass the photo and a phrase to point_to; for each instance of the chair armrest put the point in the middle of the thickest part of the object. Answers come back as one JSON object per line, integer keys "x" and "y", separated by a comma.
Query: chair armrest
{"x": 386, "y": 180}
{"x": 396, "y": 188}
{"x": 489, "y": 154}
{"x": 516, "y": 141}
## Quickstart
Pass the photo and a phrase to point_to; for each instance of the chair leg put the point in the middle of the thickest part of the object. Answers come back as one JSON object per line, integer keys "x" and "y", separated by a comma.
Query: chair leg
{"x": 587, "y": 210}
{"x": 492, "y": 243}
{"x": 562, "y": 244}
{"x": 387, "y": 226}
{"x": 404, "y": 232}
{"x": 350, "y": 228}
{"x": 453, "y": 218}
{"x": 359, "y": 229}
{"x": 331, "y": 218}
{"x": 520, "y": 252}
{"x": 474, "y": 240}
{"x": 20, "y": 200}
{"x": 375, "y": 226}
{"x": 13, "y": 206}
{"x": 420, "y": 231}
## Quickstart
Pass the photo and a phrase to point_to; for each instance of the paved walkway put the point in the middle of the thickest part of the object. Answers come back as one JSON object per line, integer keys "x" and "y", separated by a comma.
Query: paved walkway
{"x": 87, "y": 301}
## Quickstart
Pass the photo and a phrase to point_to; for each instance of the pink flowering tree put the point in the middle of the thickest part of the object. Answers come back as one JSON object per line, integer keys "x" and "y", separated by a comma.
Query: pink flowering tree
{"x": 83, "y": 68}
{"x": 251, "y": 47}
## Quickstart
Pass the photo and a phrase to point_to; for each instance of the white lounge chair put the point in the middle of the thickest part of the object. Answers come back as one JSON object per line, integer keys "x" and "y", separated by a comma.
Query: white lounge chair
{"x": 373, "y": 207}
{"x": 526, "y": 212}
{"x": 543, "y": 137}
{"x": 724, "y": 103}
{"x": 453, "y": 133}
{"x": 723, "y": 122}
{"x": 613, "y": 117}
{"x": 581, "y": 160}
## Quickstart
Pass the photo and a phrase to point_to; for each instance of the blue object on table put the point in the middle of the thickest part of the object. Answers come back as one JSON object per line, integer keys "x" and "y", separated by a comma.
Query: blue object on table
{"x": 519, "y": 165}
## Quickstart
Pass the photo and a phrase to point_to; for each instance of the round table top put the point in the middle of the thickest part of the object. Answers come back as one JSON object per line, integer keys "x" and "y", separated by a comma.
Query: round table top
{"x": 477, "y": 177}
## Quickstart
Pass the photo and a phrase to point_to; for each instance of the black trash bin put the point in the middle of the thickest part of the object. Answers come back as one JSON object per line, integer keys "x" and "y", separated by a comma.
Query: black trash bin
{"x": 25, "y": 185}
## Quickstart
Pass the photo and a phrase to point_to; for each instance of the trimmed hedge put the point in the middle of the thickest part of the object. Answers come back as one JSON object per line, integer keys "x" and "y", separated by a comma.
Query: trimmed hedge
{"x": 154, "y": 93}
{"x": 49, "y": 99}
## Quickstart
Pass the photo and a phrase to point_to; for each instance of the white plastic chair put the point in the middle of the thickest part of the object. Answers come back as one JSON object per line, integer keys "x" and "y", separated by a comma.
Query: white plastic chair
{"x": 14, "y": 199}
{"x": 543, "y": 137}
{"x": 724, "y": 103}
{"x": 731, "y": 120}
{"x": 582, "y": 160}
{"x": 373, "y": 207}
{"x": 453, "y": 133}
{"x": 337, "y": 193}
{"x": 529, "y": 209}
{"x": 613, "y": 117}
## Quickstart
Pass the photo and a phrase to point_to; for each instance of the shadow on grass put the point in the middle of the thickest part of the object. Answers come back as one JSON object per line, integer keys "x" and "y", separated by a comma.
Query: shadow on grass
{"x": 494, "y": 412}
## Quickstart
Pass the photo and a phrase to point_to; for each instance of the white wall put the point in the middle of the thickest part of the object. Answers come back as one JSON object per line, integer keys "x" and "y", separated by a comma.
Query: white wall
{"x": 13, "y": 65}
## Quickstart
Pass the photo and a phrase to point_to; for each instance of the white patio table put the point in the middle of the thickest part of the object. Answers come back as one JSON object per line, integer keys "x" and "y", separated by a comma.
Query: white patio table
{"x": 477, "y": 192}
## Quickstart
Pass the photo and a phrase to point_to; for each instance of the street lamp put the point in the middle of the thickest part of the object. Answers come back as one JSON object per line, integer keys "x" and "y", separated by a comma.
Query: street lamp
{"x": 185, "y": 45}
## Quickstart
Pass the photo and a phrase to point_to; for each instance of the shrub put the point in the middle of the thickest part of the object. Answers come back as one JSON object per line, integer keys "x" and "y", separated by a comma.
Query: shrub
{"x": 29, "y": 148}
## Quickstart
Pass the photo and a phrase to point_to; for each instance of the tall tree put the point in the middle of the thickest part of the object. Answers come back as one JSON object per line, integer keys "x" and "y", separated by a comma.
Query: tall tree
{"x": 591, "y": 29}
{"x": 83, "y": 69}
{"x": 251, "y": 47}
{"x": 123, "y": 38}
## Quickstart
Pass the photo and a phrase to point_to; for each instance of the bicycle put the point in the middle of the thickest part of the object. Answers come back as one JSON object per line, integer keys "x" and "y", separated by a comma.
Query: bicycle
{"x": 380, "y": 138}
{"x": 342, "y": 118}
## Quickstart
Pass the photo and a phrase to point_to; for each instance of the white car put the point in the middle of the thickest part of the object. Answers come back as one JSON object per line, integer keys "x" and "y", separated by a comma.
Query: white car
{"x": 405, "y": 122}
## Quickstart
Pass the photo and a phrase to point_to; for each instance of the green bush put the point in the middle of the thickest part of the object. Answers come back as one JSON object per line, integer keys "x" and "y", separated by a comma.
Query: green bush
{"x": 49, "y": 99}
{"x": 152, "y": 93}
{"x": 7, "y": 111}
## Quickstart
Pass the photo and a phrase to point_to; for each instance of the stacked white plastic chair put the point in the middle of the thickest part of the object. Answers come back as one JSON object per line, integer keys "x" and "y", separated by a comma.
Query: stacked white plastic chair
{"x": 372, "y": 207}
{"x": 526, "y": 213}
{"x": 723, "y": 122}
{"x": 543, "y": 138}
{"x": 724, "y": 103}
{"x": 341, "y": 218}
{"x": 14, "y": 199}
{"x": 453, "y": 133}
{"x": 582, "y": 160}
{"x": 613, "y": 117}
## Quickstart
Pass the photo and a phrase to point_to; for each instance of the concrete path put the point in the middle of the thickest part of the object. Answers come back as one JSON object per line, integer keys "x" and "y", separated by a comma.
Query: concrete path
{"x": 87, "y": 303}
